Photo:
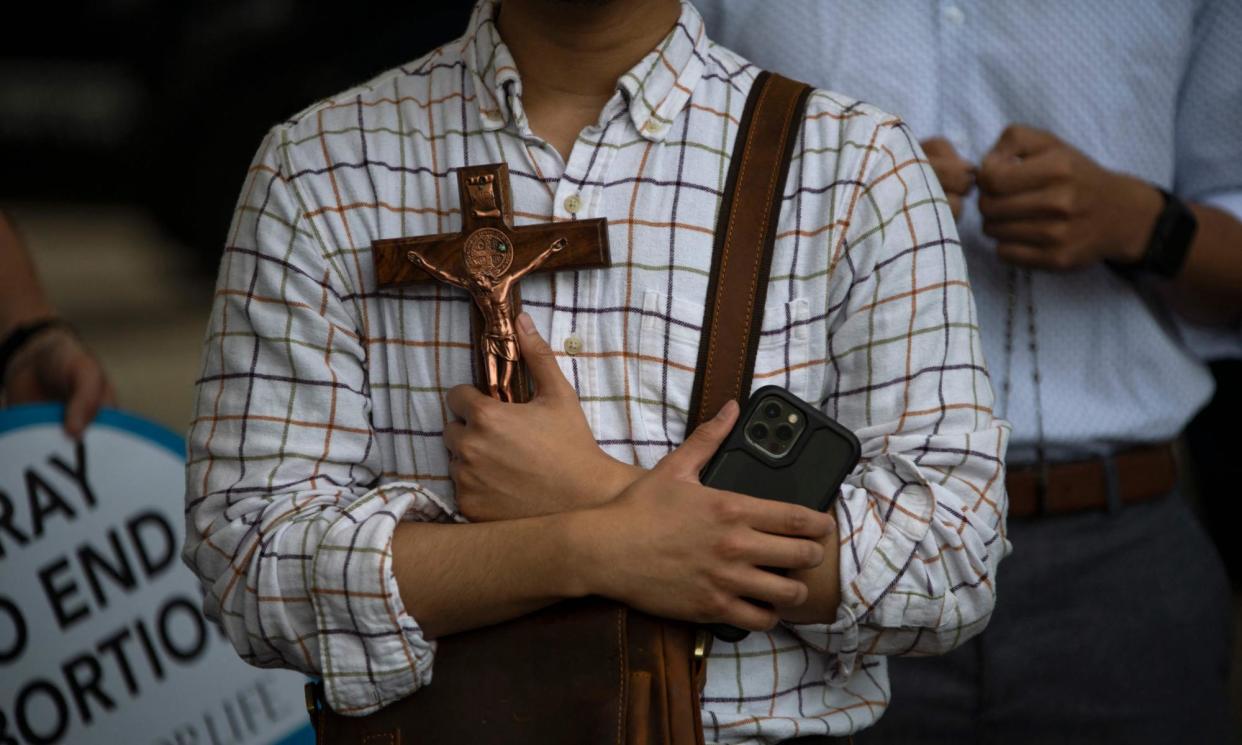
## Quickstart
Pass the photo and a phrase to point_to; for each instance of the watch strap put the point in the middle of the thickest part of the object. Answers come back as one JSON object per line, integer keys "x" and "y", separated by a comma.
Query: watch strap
{"x": 1171, "y": 236}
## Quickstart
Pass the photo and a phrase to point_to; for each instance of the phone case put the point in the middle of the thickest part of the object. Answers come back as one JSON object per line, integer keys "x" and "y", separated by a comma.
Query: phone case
{"x": 810, "y": 474}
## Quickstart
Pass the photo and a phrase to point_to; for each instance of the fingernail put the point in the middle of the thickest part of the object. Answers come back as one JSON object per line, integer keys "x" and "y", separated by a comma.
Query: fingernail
{"x": 524, "y": 320}
{"x": 727, "y": 409}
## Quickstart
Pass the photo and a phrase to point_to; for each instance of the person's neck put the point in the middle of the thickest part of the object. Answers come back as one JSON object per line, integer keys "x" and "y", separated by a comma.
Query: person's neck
{"x": 570, "y": 55}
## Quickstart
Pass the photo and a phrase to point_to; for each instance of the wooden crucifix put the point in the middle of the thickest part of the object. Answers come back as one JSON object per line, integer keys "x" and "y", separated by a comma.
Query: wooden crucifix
{"x": 486, "y": 259}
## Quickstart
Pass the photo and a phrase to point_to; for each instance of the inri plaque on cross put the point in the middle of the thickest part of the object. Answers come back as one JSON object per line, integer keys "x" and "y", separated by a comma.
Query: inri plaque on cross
{"x": 486, "y": 259}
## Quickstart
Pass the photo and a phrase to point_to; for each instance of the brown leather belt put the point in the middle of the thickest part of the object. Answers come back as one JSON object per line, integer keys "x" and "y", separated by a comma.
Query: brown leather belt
{"x": 1140, "y": 474}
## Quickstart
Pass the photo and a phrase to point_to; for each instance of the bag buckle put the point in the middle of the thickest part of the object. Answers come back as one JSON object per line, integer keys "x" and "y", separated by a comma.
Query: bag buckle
{"x": 311, "y": 691}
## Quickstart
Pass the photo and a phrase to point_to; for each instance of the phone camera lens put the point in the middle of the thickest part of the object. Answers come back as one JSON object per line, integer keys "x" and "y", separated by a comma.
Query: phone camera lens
{"x": 759, "y": 431}
{"x": 784, "y": 432}
{"x": 772, "y": 410}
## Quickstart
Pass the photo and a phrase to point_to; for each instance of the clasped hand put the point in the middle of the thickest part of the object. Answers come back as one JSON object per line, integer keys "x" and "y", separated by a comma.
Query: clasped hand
{"x": 657, "y": 540}
{"x": 1047, "y": 205}
{"x": 509, "y": 461}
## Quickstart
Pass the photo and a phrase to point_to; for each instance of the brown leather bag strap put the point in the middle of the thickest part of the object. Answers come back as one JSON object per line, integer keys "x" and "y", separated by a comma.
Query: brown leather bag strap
{"x": 745, "y": 236}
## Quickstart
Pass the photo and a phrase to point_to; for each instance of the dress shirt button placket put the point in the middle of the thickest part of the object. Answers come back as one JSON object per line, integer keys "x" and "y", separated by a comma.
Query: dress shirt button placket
{"x": 577, "y": 199}
{"x": 571, "y": 199}
{"x": 953, "y": 112}
{"x": 569, "y": 203}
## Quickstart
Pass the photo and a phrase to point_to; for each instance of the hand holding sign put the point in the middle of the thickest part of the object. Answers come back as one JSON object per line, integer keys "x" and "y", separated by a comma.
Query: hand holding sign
{"x": 101, "y": 635}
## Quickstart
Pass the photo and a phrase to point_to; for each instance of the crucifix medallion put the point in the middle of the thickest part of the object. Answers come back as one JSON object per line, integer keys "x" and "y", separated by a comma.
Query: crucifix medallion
{"x": 486, "y": 259}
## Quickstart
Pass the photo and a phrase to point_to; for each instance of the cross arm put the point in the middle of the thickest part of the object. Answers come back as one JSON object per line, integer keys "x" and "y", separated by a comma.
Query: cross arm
{"x": 392, "y": 267}
{"x": 587, "y": 243}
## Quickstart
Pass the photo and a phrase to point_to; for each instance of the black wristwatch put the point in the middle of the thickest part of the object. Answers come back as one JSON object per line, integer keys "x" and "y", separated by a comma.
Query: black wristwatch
{"x": 1170, "y": 239}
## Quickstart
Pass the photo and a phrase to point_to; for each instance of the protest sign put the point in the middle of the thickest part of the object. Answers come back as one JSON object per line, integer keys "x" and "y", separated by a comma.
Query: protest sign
{"x": 102, "y": 638}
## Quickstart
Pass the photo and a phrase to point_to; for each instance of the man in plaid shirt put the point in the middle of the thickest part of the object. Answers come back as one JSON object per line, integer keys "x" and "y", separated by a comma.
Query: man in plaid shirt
{"x": 351, "y": 498}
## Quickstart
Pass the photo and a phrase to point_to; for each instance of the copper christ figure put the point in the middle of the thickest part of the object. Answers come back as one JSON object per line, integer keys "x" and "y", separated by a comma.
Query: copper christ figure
{"x": 488, "y": 257}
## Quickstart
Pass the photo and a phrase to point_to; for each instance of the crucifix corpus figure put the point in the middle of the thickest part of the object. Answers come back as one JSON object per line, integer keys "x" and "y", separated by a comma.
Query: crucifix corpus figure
{"x": 486, "y": 259}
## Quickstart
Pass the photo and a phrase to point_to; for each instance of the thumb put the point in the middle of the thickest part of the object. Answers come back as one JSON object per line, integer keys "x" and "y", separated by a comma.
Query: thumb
{"x": 1021, "y": 141}
{"x": 690, "y": 457}
{"x": 87, "y": 388}
{"x": 938, "y": 147}
{"x": 540, "y": 360}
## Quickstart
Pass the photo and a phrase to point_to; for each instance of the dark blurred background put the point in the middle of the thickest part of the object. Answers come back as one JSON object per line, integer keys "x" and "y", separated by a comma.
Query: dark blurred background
{"x": 126, "y": 127}
{"x": 161, "y": 104}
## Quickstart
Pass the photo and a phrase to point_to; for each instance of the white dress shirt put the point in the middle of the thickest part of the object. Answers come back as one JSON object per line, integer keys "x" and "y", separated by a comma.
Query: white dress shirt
{"x": 1145, "y": 87}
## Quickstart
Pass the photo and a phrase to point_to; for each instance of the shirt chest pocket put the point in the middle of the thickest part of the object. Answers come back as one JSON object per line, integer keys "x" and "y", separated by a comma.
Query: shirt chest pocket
{"x": 668, "y": 355}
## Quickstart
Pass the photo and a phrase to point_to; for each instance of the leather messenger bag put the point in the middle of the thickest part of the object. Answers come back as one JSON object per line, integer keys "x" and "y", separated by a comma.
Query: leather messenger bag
{"x": 592, "y": 671}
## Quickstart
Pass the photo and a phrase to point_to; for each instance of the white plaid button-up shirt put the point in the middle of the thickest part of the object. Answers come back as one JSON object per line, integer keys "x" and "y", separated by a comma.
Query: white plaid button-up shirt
{"x": 321, "y": 402}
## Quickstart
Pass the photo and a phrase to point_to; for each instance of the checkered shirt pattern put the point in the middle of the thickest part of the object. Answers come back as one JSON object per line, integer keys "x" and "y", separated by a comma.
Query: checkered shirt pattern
{"x": 322, "y": 398}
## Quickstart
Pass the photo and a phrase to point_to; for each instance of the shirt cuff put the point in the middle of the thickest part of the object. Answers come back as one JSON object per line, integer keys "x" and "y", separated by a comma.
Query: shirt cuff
{"x": 869, "y": 595}
{"x": 887, "y": 563}
{"x": 838, "y": 639}
{"x": 372, "y": 652}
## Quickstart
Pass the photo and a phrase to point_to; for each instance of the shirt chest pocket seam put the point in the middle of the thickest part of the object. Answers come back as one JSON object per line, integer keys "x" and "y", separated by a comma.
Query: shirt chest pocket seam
{"x": 668, "y": 351}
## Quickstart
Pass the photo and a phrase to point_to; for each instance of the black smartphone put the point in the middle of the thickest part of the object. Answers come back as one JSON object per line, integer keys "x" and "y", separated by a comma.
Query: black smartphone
{"x": 785, "y": 449}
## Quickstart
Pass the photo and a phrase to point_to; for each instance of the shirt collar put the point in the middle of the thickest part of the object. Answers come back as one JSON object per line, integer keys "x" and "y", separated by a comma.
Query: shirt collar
{"x": 655, "y": 89}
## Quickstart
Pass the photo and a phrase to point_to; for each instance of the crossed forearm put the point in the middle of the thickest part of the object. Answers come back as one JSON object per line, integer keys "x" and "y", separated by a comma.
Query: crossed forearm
{"x": 454, "y": 578}
{"x": 823, "y": 584}
{"x": 1209, "y": 287}
{"x": 555, "y": 517}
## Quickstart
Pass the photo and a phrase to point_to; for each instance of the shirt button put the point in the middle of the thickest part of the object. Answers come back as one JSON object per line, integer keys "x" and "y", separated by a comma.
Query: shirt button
{"x": 573, "y": 203}
{"x": 954, "y": 15}
{"x": 573, "y": 344}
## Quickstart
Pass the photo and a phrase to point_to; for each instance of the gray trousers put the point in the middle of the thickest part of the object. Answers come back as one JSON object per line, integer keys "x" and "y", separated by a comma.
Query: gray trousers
{"x": 1110, "y": 627}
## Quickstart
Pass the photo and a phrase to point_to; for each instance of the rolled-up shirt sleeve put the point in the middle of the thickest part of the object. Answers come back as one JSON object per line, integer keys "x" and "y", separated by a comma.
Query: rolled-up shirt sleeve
{"x": 286, "y": 526}
{"x": 922, "y": 518}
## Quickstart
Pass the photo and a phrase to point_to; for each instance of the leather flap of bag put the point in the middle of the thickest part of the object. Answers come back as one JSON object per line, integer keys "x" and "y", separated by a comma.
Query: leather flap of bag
{"x": 491, "y": 686}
